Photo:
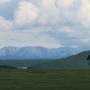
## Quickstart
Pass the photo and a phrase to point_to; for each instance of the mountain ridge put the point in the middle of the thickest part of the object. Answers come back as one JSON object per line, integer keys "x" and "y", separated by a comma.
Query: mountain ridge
{"x": 37, "y": 52}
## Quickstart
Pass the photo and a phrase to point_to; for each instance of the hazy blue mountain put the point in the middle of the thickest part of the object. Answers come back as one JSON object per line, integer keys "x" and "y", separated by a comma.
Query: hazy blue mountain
{"x": 9, "y": 53}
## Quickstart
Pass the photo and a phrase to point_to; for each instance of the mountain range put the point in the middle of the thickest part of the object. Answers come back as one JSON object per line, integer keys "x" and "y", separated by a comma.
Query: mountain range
{"x": 24, "y": 53}
{"x": 77, "y": 61}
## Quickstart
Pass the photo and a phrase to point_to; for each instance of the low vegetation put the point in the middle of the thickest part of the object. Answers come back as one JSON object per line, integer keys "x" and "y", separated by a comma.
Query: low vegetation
{"x": 44, "y": 80}
{"x": 7, "y": 67}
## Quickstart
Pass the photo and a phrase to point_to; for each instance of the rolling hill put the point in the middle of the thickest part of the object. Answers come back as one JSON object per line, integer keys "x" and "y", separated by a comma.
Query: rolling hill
{"x": 72, "y": 62}
{"x": 78, "y": 61}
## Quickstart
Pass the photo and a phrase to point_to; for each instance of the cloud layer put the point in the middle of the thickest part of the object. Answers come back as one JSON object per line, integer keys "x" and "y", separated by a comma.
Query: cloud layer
{"x": 26, "y": 12}
{"x": 47, "y": 23}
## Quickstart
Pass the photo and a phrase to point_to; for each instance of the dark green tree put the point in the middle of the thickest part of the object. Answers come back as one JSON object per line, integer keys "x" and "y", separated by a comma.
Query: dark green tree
{"x": 88, "y": 58}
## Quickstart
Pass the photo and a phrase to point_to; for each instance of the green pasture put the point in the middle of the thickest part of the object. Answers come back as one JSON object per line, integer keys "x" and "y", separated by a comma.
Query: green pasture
{"x": 45, "y": 80}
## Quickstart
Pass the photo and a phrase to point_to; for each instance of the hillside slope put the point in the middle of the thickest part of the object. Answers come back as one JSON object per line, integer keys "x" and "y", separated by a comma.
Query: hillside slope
{"x": 73, "y": 62}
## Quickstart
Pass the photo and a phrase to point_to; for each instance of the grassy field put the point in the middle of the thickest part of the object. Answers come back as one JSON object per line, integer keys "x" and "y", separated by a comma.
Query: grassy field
{"x": 45, "y": 80}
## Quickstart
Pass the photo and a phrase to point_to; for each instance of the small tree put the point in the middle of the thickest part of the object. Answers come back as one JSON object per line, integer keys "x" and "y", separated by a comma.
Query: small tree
{"x": 88, "y": 58}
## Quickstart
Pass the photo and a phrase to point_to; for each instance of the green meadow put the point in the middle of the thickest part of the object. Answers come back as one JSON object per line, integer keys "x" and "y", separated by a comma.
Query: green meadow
{"x": 44, "y": 80}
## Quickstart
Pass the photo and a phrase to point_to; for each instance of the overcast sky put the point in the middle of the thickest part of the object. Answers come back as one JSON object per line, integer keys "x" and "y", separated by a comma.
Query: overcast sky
{"x": 46, "y": 23}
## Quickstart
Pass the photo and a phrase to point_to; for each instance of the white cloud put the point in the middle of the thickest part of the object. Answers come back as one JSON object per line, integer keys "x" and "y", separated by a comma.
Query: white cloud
{"x": 27, "y": 39}
{"x": 48, "y": 4}
{"x": 34, "y": 23}
{"x": 4, "y": 1}
{"x": 25, "y": 13}
{"x": 49, "y": 42}
{"x": 69, "y": 31}
{"x": 49, "y": 13}
{"x": 5, "y": 24}
{"x": 65, "y": 3}
{"x": 85, "y": 40}
{"x": 85, "y": 11}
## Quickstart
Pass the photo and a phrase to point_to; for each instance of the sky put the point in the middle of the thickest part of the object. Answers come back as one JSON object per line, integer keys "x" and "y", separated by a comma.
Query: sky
{"x": 45, "y": 23}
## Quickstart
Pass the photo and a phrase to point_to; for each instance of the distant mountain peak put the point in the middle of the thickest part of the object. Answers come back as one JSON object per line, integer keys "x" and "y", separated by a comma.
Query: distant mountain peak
{"x": 37, "y": 52}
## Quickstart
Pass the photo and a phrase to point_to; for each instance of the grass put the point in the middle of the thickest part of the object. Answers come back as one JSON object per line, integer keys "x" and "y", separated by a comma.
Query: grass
{"x": 45, "y": 80}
